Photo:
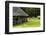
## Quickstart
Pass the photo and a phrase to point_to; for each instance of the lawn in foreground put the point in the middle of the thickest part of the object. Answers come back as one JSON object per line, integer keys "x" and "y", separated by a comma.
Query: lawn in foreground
{"x": 35, "y": 22}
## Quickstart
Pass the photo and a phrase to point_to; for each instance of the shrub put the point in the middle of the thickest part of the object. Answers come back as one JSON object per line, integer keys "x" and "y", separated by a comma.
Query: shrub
{"x": 38, "y": 17}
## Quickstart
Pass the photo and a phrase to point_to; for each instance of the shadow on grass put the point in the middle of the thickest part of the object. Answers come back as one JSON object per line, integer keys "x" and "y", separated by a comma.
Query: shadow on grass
{"x": 17, "y": 24}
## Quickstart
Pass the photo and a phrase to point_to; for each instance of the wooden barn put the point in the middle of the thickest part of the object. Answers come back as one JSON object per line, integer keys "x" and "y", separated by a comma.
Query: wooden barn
{"x": 19, "y": 16}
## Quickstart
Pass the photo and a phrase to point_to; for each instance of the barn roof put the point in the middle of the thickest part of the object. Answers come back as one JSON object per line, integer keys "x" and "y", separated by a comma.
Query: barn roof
{"x": 18, "y": 12}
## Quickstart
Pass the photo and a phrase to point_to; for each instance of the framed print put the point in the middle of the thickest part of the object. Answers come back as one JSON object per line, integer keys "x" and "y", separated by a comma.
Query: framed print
{"x": 24, "y": 17}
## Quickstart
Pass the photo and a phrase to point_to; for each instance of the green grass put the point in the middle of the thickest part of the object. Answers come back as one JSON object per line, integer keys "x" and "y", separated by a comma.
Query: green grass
{"x": 31, "y": 23}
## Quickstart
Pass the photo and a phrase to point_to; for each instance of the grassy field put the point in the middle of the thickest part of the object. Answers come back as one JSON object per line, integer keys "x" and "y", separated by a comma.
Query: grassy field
{"x": 32, "y": 22}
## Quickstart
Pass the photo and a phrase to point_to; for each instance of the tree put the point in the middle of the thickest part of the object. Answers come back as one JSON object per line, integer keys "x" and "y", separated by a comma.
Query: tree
{"x": 33, "y": 12}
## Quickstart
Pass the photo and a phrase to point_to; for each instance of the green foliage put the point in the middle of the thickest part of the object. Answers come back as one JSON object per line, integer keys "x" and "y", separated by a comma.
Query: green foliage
{"x": 32, "y": 11}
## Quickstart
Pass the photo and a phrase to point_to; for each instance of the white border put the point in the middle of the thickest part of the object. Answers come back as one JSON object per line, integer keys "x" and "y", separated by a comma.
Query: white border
{"x": 11, "y": 29}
